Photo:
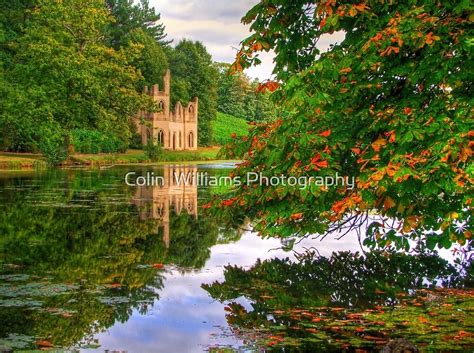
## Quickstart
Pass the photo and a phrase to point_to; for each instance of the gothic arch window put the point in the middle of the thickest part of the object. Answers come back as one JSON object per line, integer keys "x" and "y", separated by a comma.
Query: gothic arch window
{"x": 160, "y": 209}
{"x": 161, "y": 138}
{"x": 180, "y": 139}
{"x": 148, "y": 135}
{"x": 191, "y": 139}
{"x": 161, "y": 107}
{"x": 174, "y": 140}
{"x": 191, "y": 112}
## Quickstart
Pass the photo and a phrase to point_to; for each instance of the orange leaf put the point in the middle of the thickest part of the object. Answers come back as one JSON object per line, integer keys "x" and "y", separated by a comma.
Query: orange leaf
{"x": 376, "y": 145}
{"x": 323, "y": 22}
{"x": 158, "y": 266}
{"x": 318, "y": 163}
{"x": 345, "y": 70}
{"x": 272, "y": 86}
{"x": 228, "y": 202}
{"x": 388, "y": 203}
{"x": 361, "y": 7}
{"x": 256, "y": 47}
{"x": 207, "y": 205}
{"x": 325, "y": 133}
{"x": 423, "y": 320}
{"x": 392, "y": 137}
{"x": 356, "y": 150}
{"x": 44, "y": 343}
{"x": 236, "y": 67}
{"x": 296, "y": 216}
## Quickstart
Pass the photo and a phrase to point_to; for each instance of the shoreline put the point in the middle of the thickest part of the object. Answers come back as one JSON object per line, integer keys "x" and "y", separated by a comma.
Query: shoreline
{"x": 18, "y": 161}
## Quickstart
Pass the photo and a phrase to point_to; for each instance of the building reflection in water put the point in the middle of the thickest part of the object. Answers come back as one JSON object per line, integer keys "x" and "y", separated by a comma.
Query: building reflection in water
{"x": 177, "y": 193}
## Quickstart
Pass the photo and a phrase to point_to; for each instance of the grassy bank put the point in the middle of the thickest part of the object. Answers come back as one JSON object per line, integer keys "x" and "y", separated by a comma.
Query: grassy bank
{"x": 224, "y": 125}
{"x": 138, "y": 156}
{"x": 15, "y": 161}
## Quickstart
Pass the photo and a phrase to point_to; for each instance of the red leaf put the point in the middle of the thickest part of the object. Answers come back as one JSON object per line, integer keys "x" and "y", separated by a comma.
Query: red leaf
{"x": 356, "y": 150}
{"x": 318, "y": 163}
{"x": 207, "y": 205}
{"x": 228, "y": 202}
{"x": 323, "y": 22}
{"x": 325, "y": 133}
{"x": 267, "y": 86}
{"x": 272, "y": 86}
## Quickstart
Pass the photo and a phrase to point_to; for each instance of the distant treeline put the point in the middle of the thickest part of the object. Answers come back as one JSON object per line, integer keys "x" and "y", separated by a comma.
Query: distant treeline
{"x": 81, "y": 65}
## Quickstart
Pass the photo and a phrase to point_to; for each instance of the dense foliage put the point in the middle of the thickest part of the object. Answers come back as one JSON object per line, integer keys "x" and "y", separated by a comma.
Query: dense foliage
{"x": 77, "y": 64}
{"x": 130, "y": 16}
{"x": 61, "y": 75}
{"x": 390, "y": 105}
{"x": 152, "y": 61}
{"x": 93, "y": 141}
{"x": 194, "y": 75}
{"x": 239, "y": 96}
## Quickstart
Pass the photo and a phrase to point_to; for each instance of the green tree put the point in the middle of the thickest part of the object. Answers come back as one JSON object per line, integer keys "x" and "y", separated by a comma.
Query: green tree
{"x": 390, "y": 105}
{"x": 237, "y": 95}
{"x": 63, "y": 76}
{"x": 130, "y": 16}
{"x": 152, "y": 61}
{"x": 232, "y": 92}
{"x": 194, "y": 75}
{"x": 260, "y": 104}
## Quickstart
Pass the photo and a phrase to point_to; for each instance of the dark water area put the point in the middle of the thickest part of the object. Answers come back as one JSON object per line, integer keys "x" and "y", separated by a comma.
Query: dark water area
{"x": 91, "y": 264}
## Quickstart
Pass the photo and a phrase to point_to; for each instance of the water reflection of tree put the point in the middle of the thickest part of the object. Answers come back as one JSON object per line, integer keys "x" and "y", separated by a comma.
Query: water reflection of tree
{"x": 316, "y": 302}
{"x": 88, "y": 257}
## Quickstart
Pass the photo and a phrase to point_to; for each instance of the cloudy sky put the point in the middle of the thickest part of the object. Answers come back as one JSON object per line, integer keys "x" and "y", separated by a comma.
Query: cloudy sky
{"x": 217, "y": 24}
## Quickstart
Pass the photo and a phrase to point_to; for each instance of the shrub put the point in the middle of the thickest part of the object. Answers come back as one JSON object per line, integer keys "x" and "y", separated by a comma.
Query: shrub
{"x": 153, "y": 151}
{"x": 94, "y": 141}
{"x": 53, "y": 150}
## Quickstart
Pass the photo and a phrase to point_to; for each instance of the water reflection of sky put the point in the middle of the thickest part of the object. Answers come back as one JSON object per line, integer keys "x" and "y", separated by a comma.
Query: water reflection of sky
{"x": 185, "y": 318}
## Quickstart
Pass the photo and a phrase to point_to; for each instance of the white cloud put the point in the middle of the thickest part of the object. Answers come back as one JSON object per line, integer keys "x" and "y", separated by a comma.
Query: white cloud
{"x": 217, "y": 24}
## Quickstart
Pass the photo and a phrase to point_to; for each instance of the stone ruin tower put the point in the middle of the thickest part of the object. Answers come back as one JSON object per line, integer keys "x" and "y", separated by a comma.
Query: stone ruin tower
{"x": 174, "y": 130}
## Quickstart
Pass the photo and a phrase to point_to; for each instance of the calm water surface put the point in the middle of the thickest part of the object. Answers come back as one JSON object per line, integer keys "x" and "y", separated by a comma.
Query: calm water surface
{"x": 90, "y": 264}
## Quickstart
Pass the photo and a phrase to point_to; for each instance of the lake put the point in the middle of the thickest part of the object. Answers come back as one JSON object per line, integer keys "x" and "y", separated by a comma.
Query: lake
{"x": 91, "y": 264}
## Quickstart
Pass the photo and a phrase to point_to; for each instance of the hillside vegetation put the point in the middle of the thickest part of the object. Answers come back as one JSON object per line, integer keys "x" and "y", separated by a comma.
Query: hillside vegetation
{"x": 224, "y": 125}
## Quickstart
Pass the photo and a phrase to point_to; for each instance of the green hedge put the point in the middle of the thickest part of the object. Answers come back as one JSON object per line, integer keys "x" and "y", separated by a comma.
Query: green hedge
{"x": 93, "y": 141}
